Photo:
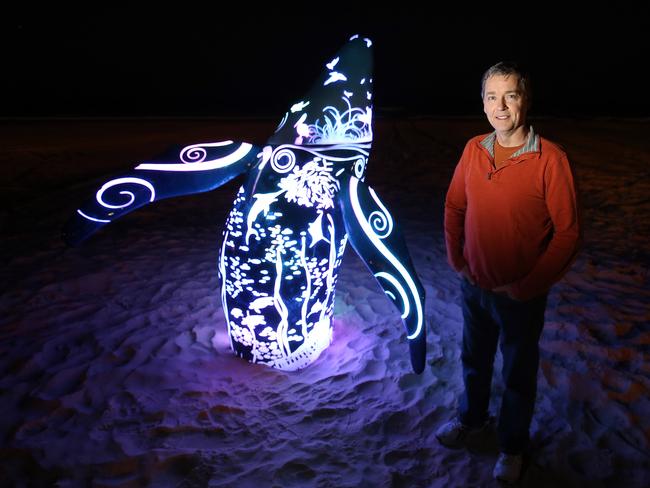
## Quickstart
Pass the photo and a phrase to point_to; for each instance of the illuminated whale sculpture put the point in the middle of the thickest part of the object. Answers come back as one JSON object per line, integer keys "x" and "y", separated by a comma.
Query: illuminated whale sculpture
{"x": 303, "y": 198}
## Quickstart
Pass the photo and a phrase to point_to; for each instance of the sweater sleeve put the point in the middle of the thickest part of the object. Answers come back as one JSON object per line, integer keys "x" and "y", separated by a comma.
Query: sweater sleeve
{"x": 562, "y": 205}
{"x": 455, "y": 206}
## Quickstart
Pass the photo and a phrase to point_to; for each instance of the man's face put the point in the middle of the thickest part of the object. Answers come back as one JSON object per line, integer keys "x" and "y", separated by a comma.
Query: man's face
{"x": 504, "y": 103}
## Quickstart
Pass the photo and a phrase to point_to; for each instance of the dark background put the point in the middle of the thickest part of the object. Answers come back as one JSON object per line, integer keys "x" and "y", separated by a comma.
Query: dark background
{"x": 242, "y": 61}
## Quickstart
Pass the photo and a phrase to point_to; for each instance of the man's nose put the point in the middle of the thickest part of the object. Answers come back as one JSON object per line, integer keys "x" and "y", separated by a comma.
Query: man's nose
{"x": 502, "y": 103}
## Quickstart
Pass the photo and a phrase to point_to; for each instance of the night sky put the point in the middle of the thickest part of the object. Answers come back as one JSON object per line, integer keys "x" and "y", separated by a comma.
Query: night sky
{"x": 186, "y": 62}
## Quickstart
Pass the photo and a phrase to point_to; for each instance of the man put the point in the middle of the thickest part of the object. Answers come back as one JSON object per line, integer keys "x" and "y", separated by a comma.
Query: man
{"x": 511, "y": 229}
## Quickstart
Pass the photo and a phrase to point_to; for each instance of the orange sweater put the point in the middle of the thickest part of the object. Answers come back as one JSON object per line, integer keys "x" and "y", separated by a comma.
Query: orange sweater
{"x": 516, "y": 225}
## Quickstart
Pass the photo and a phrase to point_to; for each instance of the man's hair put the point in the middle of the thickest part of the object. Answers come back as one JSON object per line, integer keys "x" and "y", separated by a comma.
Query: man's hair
{"x": 508, "y": 68}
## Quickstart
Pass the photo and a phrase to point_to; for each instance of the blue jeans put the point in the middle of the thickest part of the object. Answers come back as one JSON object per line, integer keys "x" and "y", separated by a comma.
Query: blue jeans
{"x": 488, "y": 316}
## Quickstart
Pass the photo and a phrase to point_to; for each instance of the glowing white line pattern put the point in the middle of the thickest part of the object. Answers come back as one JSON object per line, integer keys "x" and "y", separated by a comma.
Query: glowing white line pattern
{"x": 119, "y": 181}
{"x": 265, "y": 155}
{"x": 331, "y": 64}
{"x": 307, "y": 295}
{"x": 359, "y": 167}
{"x": 330, "y": 271}
{"x": 267, "y": 152}
{"x": 281, "y": 330}
{"x": 224, "y": 302}
{"x": 277, "y": 165}
{"x": 201, "y": 165}
{"x": 283, "y": 121}
{"x": 196, "y": 153}
{"x": 92, "y": 218}
{"x": 340, "y": 127}
{"x": 389, "y": 277}
{"x": 323, "y": 153}
{"x": 354, "y": 199}
{"x": 382, "y": 217}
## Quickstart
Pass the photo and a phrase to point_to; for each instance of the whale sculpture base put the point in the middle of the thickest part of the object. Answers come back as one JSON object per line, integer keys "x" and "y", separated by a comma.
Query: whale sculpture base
{"x": 318, "y": 340}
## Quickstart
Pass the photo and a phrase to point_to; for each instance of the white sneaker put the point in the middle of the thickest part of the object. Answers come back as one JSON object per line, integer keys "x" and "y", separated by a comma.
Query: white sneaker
{"x": 508, "y": 467}
{"x": 454, "y": 433}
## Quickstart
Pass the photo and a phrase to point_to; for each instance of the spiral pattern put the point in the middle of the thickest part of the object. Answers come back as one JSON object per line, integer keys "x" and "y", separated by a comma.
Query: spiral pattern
{"x": 130, "y": 195}
{"x": 196, "y": 153}
{"x": 380, "y": 223}
{"x": 283, "y": 160}
{"x": 193, "y": 154}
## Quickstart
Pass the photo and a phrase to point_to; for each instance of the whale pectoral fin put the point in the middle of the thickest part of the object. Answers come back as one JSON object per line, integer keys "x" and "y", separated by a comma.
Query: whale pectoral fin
{"x": 180, "y": 171}
{"x": 378, "y": 241}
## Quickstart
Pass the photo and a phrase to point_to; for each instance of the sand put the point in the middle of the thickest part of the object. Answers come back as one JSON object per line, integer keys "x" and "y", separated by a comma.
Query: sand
{"x": 115, "y": 367}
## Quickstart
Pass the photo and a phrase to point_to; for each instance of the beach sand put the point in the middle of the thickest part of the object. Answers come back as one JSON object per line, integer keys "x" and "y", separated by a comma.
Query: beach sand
{"x": 115, "y": 365}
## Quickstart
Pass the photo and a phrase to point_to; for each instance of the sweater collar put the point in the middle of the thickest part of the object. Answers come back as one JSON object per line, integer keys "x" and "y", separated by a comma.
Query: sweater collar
{"x": 531, "y": 145}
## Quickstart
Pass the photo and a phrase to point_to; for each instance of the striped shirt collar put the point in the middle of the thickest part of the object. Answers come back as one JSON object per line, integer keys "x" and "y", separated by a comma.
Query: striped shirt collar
{"x": 531, "y": 145}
